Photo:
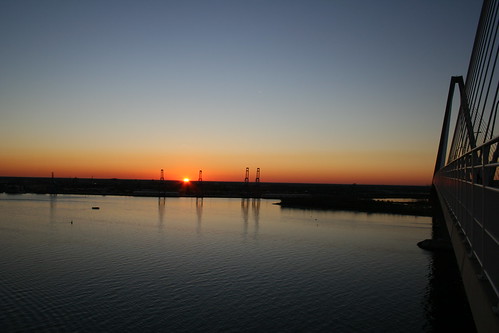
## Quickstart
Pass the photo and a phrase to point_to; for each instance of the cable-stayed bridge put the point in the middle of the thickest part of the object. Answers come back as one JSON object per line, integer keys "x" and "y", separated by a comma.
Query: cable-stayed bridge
{"x": 466, "y": 178}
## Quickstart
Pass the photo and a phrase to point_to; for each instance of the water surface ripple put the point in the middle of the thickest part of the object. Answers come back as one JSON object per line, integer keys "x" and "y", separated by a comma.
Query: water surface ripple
{"x": 187, "y": 265}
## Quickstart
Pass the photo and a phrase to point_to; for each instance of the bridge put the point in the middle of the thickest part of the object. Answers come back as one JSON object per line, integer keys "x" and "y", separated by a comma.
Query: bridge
{"x": 466, "y": 177}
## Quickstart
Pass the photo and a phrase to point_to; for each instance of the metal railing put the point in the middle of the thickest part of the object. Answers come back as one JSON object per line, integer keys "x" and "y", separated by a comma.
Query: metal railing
{"x": 469, "y": 187}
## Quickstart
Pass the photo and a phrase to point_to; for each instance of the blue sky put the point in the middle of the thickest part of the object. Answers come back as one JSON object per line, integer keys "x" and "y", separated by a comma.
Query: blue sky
{"x": 298, "y": 88}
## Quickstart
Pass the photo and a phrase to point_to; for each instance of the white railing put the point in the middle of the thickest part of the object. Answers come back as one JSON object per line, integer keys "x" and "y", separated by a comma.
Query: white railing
{"x": 469, "y": 187}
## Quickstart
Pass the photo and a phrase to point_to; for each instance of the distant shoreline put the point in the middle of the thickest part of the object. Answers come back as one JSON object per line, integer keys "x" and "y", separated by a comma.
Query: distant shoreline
{"x": 421, "y": 207}
{"x": 391, "y": 199}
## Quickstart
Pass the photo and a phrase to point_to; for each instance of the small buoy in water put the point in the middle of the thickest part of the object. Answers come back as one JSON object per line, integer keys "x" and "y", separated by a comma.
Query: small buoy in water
{"x": 95, "y": 207}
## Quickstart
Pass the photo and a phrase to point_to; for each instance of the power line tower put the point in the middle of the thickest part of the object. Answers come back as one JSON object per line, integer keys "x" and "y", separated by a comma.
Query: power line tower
{"x": 246, "y": 178}
{"x": 53, "y": 186}
{"x": 257, "y": 179}
{"x": 162, "y": 184}
{"x": 200, "y": 186}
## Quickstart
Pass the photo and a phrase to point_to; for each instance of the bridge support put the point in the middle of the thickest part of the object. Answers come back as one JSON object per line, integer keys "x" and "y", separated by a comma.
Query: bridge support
{"x": 464, "y": 113}
{"x": 478, "y": 290}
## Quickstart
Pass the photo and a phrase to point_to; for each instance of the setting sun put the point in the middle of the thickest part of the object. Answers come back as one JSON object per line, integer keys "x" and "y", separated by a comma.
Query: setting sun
{"x": 186, "y": 180}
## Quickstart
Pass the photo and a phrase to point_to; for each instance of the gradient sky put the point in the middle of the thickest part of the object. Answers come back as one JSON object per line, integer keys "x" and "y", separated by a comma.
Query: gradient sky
{"x": 320, "y": 91}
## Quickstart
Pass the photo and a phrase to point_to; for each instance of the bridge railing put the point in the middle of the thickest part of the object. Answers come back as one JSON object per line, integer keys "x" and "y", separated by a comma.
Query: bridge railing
{"x": 469, "y": 187}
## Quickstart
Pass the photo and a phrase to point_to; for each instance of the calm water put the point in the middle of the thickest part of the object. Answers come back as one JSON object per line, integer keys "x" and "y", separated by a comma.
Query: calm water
{"x": 187, "y": 264}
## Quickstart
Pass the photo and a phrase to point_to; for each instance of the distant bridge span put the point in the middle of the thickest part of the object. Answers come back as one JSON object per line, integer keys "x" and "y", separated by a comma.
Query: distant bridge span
{"x": 466, "y": 177}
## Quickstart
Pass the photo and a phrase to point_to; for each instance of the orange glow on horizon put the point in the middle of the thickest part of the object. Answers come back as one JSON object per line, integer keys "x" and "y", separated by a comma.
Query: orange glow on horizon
{"x": 338, "y": 176}
{"x": 382, "y": 168}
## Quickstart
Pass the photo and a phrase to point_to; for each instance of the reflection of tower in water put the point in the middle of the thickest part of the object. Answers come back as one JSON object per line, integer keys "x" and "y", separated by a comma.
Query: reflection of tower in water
{"x": 199, "y": 213}
{"x": 256, "y": 214}
{"x": 53, "y": 203}
{"x": 245, "y": 210}
{"x": 161, "y": 210}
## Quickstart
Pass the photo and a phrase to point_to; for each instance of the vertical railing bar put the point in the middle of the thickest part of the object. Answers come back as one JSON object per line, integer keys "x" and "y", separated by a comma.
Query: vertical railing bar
{"x": 472, "y": 214}
{"x": 485, "y": 152}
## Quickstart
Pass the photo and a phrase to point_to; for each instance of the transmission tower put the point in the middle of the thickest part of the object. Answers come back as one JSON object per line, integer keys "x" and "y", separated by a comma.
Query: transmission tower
{"x": 200, "y": 178}
{"x": 257, "y": 179}
{"x": 246, "y": 178}
{"x": 162, "y": 176}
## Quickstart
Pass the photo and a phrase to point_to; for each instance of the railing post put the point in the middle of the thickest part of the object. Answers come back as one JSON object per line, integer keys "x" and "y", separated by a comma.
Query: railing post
{"x": 485, "y": 160}
{"x": 471, "y": 214}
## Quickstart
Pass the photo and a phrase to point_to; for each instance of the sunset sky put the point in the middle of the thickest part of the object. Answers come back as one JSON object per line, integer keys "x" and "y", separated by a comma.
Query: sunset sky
{"x": 312, "y": 91}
